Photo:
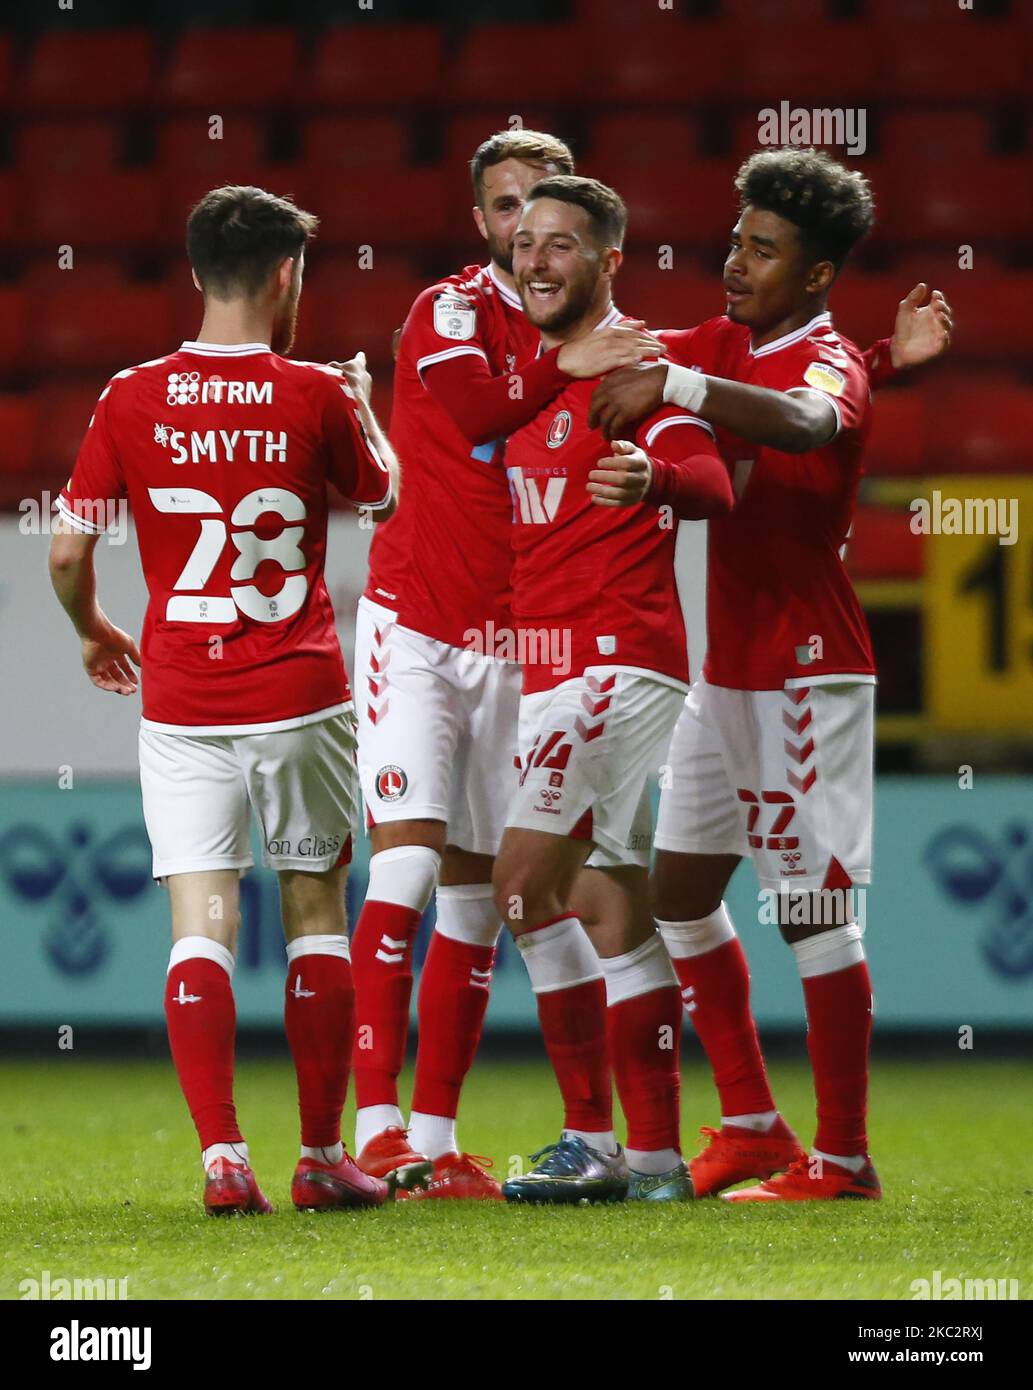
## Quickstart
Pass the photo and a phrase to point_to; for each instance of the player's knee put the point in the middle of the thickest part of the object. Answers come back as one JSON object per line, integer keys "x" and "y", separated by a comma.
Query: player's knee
{"x": 519, "y": 897}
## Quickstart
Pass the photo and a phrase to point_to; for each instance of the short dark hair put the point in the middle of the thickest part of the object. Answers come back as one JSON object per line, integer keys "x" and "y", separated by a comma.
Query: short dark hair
{"x": 237, "y": 235}
{"x": 830, "y": 205}
{"x": 605, "y": 207}
{"x": 534, "y": 146}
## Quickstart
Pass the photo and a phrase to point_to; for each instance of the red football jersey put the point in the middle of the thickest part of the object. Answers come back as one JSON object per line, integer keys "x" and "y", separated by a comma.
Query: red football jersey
{"x": 224, "y": 454}
{"x": 443, "y": 560}
{"x": 604, "y": 575}
{"x": 781, "y": 610}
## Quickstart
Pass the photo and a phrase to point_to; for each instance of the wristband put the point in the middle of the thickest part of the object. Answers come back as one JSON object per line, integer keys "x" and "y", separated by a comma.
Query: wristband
{"x": 685, "y": 387}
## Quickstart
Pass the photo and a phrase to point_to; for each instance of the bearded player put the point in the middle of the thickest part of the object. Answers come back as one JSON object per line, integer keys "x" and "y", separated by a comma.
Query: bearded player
{"x": 224, "y": 449}
{"x": 438, "y": 695}
{"x": 772, "y": 754}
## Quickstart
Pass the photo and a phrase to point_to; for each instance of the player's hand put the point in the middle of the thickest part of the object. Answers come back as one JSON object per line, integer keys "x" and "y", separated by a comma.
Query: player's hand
{"x": 355, "y": 373}
{"x": 623, "y": 478}
{"x": 923, "y": 328}
{"x": 626, "y": 396}
{"x": 106, "y": 654}
{"x": 603, "y": 351}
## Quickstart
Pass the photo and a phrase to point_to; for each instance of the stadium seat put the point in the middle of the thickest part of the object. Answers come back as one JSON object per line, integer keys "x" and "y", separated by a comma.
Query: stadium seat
{"x": 985, "y": 199}
{"x": 11, "y": 223}
{"x": 63, "y": 147}
{"x": 668, "y": 61}
{"x": 464, "y": 133}
{"x": 675, "y": 298}
{"x": 383, "y": 65}
{"x": 181, "y": 189}
{"x": 100, "y": 330}
{"x": 680, "y": 204}
{"x": 745, "y": 131}
{"x": 14, "y": 315}
{"x": 6, "y": 66}
{"x": 988, "y": 320}
{"x": 883, "y": 546}
{"x": 622, "y": 141}
{"x": 356, "y": 142}
{"x": 527, "y": 63}
{"x": 955, "y": 56}
{"x": 64, "y": 416}
{"x": 216, "y": 69}
{"x": 934, "y": 135}
{"x": 770, "y": 64}
{"x": 387, "y": 207}
{"x": 742, "y": 13}
{"x": 184, "y": 144}
{"x": 105, "y": 273}
{"x": 864, "y": 306}
{"x": 88, "y": 70}
{"x": 18, "y": 415}
{"x": 982, "y": 426}
{"x": 106, "y": 208}
{"x": 898, "y": 442}
{"x": 345, "y": 309}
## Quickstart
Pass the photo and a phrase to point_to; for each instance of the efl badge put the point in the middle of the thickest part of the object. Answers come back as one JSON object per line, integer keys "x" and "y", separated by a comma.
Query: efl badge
{"x": 558, "y": 430}
{"x": 454, "y": 317}
{"x": 391, "y": 783}
{"x": 825, "y": 378}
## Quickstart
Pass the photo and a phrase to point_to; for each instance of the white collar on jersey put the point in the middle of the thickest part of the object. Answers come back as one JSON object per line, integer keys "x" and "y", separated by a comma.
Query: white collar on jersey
{"x": 510, "y": 296}
{"x": 224, "y": 349}
{"x": 819, "y": 320}
{"x": 613, "y": 315}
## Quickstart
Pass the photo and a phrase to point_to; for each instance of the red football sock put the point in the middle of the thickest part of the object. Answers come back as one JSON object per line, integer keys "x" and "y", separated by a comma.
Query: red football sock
{"x": 202, "y": 1021}
{"x": 319, "y": 1014}
{"x": 381, "y": 950}
{"x": 719, "y": 1006}
{"x": 573, "y": 1022}
{"x": 644, "y": 1036}
{"x": 454, "y": 988}
{"x": 839, "y": 1028}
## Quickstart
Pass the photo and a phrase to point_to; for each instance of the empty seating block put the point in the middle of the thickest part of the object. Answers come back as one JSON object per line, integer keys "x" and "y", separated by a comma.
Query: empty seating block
{"x": 103, "y": 70}
{"x": 218, "y": 69}
{"x": 383, "y": 65}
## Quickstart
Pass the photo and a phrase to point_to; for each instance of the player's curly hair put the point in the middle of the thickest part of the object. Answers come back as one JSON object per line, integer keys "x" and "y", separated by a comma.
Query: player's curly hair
{"x": 237, "y": 235}
{"x": 832, "y": 206}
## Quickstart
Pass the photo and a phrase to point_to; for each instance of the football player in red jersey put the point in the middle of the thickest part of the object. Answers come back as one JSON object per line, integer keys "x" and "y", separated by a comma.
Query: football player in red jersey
{"x": 224, "y": 449}
{"x": 438, "y": 678}
{"x": 772, "y": 755}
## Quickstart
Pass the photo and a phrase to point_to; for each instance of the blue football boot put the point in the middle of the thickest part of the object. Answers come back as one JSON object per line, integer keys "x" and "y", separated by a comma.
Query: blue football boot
{"x": 571, "y": 1171}
{"x": 673, "y": 1186}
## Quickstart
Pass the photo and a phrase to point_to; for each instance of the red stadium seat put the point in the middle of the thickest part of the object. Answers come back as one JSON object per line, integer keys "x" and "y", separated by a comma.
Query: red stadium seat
{"x": 963, "y": 203}
{"x": 864, "y": 306}
{"x": 14, "y": 315}
{"x": 465, "y": 133}
{"x": 988, "y": 319}
{"x": 772, "y": 64}
{"x": 668, "y": 60}
{"x": 520, "y": 64}
{"x": 65, "y": 413}
{"x": 63, "y": 147}
{"x": 344, "y": 309}
{"x": 383, "y": 65}
{"x": 898, "y": 443}
{"x": 92, "y": 271}
{"x": 982, "y": 427}
{"x": 99, "y": 329}
{"x": 883, "y": 546}
{"x": 181, "y": 189}
{"x": 381, "y": 207}
{"x": 955, "y": 57}
{"x": 746, "y": 130}
{"x": 18, "y": 415}
{"x": 934, "y": 135}
{"x": 675, "y": 298}
{"x": 220, "y": 68}
{"x": 186, "y": 144}
{"x": 627, "y": 140}
{"x": 6, "y": 66}
{"x": 680, "y": 204}
{"x": 86, "y": 70}
{"x": 110, "y": 208}
{"x": 356, "y": 142}
{"x": 742, "y": 13}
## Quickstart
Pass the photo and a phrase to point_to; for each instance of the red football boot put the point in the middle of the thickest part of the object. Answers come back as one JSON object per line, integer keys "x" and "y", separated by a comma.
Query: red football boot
{"x": 321, "y": 1186}
{"x": 231, "y": 1187}
{"x": 735, "y": 1154}
{"x": 389, "y": 1152}
{"x": 460, "y": 1177}
{"x": 810, "y": 1180}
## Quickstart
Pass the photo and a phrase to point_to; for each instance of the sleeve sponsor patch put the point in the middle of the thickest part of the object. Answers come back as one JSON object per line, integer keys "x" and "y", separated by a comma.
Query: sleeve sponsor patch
{"x": 825, "y": 378}
{"x": 454, "y": 318}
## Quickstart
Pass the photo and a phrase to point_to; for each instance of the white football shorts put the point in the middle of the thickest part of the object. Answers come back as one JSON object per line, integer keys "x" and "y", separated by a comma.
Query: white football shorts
{"x": 437, "y": 730}
{"x": 302, "y": 784}
{"x": 591, "y": 750}
{"x": 784, "y": 776}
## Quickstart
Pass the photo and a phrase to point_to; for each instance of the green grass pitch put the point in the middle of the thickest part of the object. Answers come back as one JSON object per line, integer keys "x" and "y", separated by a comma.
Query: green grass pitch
{"x": 99, "y": 1177}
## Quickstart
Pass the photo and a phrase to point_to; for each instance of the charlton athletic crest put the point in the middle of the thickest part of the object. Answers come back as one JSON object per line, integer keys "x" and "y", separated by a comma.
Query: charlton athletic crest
{"x": 558, "y": 430}
{"x": 391, "y": 783}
